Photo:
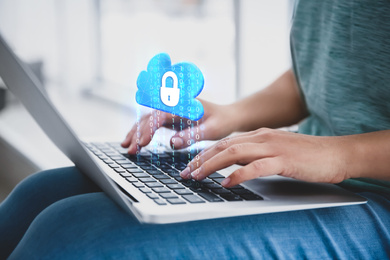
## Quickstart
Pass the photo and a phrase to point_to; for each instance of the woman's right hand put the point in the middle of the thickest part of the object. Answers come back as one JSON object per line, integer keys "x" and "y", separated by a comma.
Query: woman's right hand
{"x": 216, "y": 123}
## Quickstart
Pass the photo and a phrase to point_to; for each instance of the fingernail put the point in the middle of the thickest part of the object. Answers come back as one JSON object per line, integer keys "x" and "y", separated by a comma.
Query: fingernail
{"x": 195, "y": 173}
{"x": 177, "y": 142}
{"x": 225, "y": 181}
{"x": 185, "y": 173}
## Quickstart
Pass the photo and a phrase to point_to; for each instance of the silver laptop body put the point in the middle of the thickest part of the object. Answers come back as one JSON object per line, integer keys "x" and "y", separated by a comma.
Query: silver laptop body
{"x": 279, "y": 193}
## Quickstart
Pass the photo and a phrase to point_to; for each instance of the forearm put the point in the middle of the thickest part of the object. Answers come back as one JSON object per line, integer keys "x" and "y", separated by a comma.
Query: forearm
{"x": 278, "y": 105}
{"x": 368, "y": 155}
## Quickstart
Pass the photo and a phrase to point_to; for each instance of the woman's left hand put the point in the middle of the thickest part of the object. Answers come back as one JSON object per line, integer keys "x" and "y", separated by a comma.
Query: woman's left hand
{"x": 267, "y": 152}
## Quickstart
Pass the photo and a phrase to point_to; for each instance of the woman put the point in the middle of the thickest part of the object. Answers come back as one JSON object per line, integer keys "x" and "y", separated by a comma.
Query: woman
{"x": 338, "y": 91}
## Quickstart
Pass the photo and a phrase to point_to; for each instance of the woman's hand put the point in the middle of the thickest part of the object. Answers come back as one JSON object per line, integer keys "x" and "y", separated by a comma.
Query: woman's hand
{"x": 216, "y": 123}
{"x": 267, "y": 152}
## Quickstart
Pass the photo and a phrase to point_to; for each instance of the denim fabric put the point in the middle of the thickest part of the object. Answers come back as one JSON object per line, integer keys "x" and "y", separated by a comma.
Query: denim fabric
{"x": 63, "y": 217}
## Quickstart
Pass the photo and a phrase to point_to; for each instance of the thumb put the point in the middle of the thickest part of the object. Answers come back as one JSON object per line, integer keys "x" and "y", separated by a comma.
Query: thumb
{"x": 185, "y": 138}
{"x": 181, "y": 139}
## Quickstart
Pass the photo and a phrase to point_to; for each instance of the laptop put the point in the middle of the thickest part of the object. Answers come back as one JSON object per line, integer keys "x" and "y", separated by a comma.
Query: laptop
{"x": 148, "y": 186}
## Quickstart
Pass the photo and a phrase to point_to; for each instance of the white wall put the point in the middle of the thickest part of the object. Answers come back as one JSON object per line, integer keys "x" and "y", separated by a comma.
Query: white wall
{"x": 62, "y": 34}
{"x": 57, "y": 32}
{"x": 265, "y": 51}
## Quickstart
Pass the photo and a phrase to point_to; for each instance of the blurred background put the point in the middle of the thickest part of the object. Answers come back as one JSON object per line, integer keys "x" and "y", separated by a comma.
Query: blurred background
{"x": 88, "y": 54}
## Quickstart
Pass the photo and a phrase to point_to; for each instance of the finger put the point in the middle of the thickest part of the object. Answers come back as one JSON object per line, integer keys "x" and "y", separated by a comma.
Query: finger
{"x": 238, "y": 153}
{"x": 194, "y": 132}
{"x": 225, "y": 142}
{"x": 145, "y": 130}
{"x": 127, "y": 141}
{"x": 186, "y": 138}
{"x": 135, "y": 139}
{"x": 221, "y": 146}
{"x": 259, "y": 168}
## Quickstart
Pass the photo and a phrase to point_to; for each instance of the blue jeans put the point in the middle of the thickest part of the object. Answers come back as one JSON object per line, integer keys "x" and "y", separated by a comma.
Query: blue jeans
{"x": 60, "y": 214}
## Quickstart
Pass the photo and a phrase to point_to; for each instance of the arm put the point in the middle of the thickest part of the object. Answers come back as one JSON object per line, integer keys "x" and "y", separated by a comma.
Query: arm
{"x": 368, "y": 155}
{"x": 267, "y": 152}
{"x": 275, "y": 106}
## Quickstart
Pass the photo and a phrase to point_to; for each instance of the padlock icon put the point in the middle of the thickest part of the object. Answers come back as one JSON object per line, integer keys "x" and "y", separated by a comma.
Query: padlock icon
{"x": 170, "y": 96}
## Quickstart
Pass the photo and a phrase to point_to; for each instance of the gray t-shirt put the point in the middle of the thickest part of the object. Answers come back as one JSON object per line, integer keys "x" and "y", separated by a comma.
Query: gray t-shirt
{"x": 341, "y": 58}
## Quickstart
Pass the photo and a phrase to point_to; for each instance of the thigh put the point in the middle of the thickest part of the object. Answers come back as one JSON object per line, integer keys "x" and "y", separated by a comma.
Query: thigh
{"x": 92, "y": 226}
{"x": 33, "y": 195}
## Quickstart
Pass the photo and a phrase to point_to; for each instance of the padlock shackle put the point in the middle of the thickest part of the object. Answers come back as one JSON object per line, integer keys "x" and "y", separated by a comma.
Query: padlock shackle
{"x": 173, "y": 76}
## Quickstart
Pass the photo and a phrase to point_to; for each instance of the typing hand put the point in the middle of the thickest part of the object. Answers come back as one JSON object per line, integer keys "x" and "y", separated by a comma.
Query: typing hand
{"x": 215, "y": 124}
{"x": 267, "y": 152}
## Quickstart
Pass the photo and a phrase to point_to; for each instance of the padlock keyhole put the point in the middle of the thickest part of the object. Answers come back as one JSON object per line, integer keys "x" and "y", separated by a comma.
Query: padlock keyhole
{"x": 169, "y": 91}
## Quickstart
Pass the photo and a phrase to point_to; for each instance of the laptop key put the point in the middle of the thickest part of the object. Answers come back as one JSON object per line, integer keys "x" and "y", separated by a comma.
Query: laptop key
{"x": 122, "y": 161}
{"x": 154, "y": 184}
{"x": 193, "y": 199}
{"x": 140, "y": 174}
{"x": 221, "y": 191}
{"x": 120, "y": 170}
{"x": 231, "y": 197}
{"x": 152, "y": 195}
{"x": 175, "y": 186}
{"x": 160, "y": 202}
{"x": 191, "y": 183}
{"x": 154, "y": 172}
{"x": 148, "y": 168}
{"x": 141, "y": 163}
{"x": 181, "y": 166}
{"x": 135, "y": 170}
{"x": 162, "y": 155}
{"x": 131, "y": 179}
{"x": 170, "y": 170}
{"x": 176, "y": 201}
{"x": 129, "y": 166}
{"x": 113, "y": 165}
{"x": 168, "y": 181}
{"x": 145, "y": 190}
{"x": 166, "y": 166}
{"x": 212, "y": 186}
{"x": 218, "y": 180}
{"x": 174, "y": 174}
{"x": 149, "y": 179}
{"x": 162, "y": 176}
{"x": 183, "y": 192}
{"x": 215, "y": 175}
{"x": 169, "y": 195}
{"x": 125, "y": 174}
{"x": 116, "y": 157}
{"x": 161, "y": 190}
{"x": 209, "y": 196}
{"x": 138, "y": 184}
{"x": 206, "y": 181}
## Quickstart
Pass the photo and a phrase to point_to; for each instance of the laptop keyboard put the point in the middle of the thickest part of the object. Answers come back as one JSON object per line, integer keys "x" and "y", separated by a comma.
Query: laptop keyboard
{"x": 158, "y": 176}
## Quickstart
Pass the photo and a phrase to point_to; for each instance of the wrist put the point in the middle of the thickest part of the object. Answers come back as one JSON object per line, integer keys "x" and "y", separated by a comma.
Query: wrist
{"x": 353, "y": 157}
{"x": 233, "y": 117}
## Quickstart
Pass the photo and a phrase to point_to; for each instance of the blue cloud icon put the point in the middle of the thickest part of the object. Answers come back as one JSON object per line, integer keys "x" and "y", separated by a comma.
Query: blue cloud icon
{"x": 171, "y": 88}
